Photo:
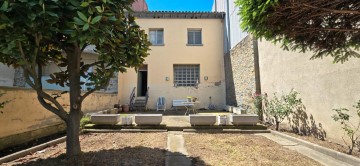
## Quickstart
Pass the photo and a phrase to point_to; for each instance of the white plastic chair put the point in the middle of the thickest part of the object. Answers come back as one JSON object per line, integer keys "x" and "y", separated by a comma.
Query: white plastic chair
{"x": 161, "y": 104}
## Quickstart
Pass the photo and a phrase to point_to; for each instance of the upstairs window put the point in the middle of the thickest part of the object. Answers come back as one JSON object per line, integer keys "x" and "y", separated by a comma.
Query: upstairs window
{"x": 186, "y": 75}
{"x": 194, "y": 37}
{"x": 156, "y": 36}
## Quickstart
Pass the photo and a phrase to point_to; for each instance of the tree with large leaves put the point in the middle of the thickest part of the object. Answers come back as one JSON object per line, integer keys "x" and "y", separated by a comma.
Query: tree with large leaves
{"x": 328, "y": 28}
{"x": 37, "y": 32}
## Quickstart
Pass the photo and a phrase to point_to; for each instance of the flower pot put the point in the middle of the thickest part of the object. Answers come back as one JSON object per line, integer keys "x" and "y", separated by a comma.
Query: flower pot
{"x": 125, "y": 108}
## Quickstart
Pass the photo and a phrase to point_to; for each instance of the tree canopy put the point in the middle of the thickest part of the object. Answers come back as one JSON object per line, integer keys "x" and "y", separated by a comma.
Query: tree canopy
{"x": 37, "y": 32}
{"x": 328, "y": 28}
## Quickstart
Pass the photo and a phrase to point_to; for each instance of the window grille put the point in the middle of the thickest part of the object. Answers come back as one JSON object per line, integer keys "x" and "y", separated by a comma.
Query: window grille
{"x": 186, "y": 75}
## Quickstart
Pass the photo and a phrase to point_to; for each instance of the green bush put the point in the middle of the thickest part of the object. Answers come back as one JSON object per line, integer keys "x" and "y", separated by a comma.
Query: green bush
{"x": 351, "y": 130}
{"x": 84, "y": 121}
{"x": 280, "y": 108}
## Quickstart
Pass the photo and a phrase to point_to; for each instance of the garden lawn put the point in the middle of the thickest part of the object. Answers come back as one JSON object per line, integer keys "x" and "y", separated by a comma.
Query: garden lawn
{"x": 241, "y": 149}
{"x": 105, "y": 149}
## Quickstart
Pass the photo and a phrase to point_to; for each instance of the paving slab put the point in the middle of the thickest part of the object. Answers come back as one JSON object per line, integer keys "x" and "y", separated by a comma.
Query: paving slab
{"x": 176, "y": 152}
{"x": 311, "y": 153}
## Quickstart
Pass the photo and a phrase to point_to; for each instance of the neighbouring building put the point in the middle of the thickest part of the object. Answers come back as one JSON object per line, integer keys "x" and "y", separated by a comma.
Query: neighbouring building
{"x": 239, "y": 53}
{"x": 186, "y": 59}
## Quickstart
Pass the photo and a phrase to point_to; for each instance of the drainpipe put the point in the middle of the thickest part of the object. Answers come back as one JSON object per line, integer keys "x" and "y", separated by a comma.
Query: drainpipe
{"x": 215, "y": 7}
{"x": 228, "y": 24}
{"x": 257, "y": 75}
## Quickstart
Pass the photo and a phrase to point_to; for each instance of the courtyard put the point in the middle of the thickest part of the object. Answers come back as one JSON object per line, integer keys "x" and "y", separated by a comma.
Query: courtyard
{"x": 154, "y": 149}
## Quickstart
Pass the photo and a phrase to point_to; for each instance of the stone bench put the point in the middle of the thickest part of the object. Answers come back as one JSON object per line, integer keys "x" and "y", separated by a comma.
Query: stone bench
{"x": 105, "y": 119}
{"x": 148, "y": 119}
{"x": 202, "y": 120}
{"x": 244, "y": 119}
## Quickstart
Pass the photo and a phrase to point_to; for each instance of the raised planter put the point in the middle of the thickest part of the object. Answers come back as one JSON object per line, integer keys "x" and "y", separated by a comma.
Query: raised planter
{"x": 105, "y": 119}
{"x": 202, "y": 120}
{"x": 127, "y": 120}
{"x": 222, "y": 120}
{"x": 244, "y": 119}
{"x": 148, "y": 119}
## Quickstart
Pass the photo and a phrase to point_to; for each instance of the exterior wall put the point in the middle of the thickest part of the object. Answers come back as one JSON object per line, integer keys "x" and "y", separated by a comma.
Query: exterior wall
{"x": 232, "y": 20}
{"x": 6, "y": 75}
{"x": 162, "y": 58}
{"x": 24, "y": 119}
{"x": 239, "y": 67}
{"x": 322, "y": 85}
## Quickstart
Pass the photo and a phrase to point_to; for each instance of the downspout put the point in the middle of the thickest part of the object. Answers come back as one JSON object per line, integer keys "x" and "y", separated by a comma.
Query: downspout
{"x": 257, "y": 75}
{"x": 228, "y": 24}
{"x": 215, "y": 5}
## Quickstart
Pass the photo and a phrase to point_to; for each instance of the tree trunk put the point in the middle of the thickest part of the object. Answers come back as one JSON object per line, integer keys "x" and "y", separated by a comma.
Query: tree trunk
{"x": 277, "y": 125}
{"x": 73, "y": 148}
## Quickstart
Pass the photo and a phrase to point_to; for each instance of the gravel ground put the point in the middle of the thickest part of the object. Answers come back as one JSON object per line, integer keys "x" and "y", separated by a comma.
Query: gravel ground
{"x": 105, "y": 149}
{"x": 240, "y": 149}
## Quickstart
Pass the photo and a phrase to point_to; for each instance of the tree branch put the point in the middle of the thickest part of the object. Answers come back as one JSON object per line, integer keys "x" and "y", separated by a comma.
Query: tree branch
{"x": 58, "y": 111}
{"x": 62, "y": 114}
{"x": 27, "y": 66}
{"x": 88, "y": 93}
{"x": 332, "y": 10}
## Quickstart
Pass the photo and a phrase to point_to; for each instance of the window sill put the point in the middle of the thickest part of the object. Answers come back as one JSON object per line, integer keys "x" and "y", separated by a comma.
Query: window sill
{"x": 194, "y": 45}
{"x": 157, "y": 45}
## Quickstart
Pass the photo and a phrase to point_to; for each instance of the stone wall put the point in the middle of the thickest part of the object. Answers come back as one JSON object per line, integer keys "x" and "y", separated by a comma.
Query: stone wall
{"x": 24, "y": 119}
{"x": 240, "y": 73}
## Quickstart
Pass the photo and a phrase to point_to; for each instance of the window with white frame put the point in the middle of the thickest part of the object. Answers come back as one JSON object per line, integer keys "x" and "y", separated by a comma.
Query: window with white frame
{"x": 156, "y": 36}
{"x": 194, "y": 37}
{"x": 186, "y": 75}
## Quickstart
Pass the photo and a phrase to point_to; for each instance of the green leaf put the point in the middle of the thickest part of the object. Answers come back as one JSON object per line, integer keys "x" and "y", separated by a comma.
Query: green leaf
{"x": 77, "y": 21}
{"x": 86, "y": 27}
{"x": 82, "y": 16}
{"x": 112, "y": 18}
{"x": 84, "y": 4}
{"x": 95, "y": 19}
{"x": 98, "y": 8}
{"x": 4, "y": 6}
{"x": 52, "y": 14}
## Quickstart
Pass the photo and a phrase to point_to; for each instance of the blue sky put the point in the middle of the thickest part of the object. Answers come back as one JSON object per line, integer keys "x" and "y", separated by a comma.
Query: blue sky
{"x": 180, "y": 5}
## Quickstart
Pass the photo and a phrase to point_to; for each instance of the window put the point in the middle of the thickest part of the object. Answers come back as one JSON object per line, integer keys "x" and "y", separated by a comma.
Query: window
{"x": 156, "y": 36}
{"x": 194, "y": 37}
{"x": 186, "y": 75}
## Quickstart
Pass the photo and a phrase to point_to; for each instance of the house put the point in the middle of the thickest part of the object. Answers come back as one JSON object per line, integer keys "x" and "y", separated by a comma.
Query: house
{"x": 186, "y": 59}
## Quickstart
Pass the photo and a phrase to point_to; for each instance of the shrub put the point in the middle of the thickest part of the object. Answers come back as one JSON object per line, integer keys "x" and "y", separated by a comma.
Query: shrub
{"x": 351, "y": 130}
{"x": 281, "y": 107}
{"x": 84, "y": 121}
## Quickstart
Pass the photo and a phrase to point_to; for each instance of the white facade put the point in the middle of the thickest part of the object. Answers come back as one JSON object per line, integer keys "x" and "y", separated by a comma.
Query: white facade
{"x": 232, "y": 26}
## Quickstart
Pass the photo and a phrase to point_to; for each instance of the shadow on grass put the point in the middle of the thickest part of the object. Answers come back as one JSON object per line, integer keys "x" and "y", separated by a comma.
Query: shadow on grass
{"x": 132, "y": 156}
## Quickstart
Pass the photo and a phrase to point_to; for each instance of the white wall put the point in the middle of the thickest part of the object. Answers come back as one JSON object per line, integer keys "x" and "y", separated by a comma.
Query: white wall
{"x": 236, "y": 34}
{"x": 6, "y": 75}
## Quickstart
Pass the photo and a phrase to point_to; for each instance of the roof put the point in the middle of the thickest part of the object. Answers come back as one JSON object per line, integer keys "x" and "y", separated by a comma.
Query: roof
{"x": 176, "y": 14}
